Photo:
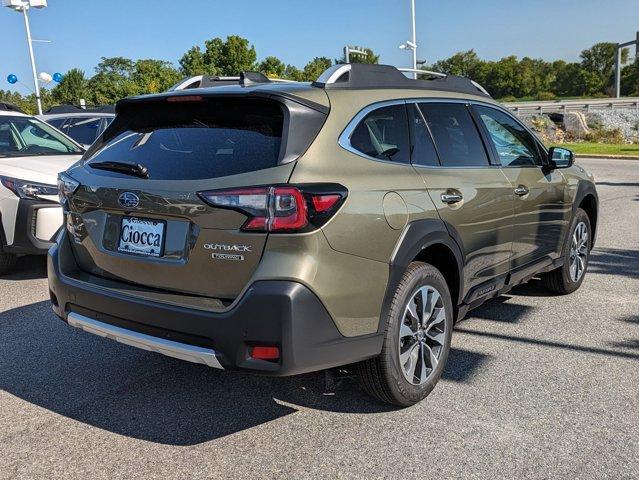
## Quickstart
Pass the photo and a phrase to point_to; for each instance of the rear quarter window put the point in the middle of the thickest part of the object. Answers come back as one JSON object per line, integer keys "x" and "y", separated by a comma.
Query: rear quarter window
{"x": 196, "y": 140}
{"x": 383, "y": 134}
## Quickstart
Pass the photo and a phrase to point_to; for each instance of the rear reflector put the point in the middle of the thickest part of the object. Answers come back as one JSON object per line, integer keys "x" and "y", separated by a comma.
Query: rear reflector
{"x": 265, "y": 353}
{"x": 322, "y": 203}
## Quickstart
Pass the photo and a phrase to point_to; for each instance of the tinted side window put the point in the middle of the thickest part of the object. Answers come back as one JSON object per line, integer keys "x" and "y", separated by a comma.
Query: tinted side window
{"x": 56, "y": 122}
{"x": 515, "y": 146}
{"x": 383, "y": 134}
{"x": 84, "y": 129}
{"x": 457, "y": 139}
{"x": 424, "y": 153}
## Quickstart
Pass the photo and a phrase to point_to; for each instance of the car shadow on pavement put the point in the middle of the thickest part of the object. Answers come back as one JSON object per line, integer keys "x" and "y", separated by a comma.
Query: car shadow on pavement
{"x": 614, "y": 261}
{"x": 29, "y": 267}
{"x": 159, "y": 399}
{"x": 498, "y": 310}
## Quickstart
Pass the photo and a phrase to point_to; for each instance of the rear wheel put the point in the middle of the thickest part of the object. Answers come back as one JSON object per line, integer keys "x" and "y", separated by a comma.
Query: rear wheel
{"x": 7, "y": 262}
{"x": 567, "y": 278}
{"x": 417, "y": 339}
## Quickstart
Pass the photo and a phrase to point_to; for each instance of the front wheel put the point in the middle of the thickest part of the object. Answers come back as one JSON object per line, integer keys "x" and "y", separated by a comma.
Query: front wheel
{"x": 416, "y": 342}
{"x": 576, "y": 250}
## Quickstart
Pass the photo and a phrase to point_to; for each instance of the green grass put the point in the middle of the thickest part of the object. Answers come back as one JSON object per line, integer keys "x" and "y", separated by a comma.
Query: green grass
{"x": 602, "y": 148}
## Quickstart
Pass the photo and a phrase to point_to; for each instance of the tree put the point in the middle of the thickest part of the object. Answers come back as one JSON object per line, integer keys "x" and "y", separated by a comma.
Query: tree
{"x": 72, "y": 88}
{"x": 368, "y": 57}
{"x": 630, "y": 79}
{"x": 219, "y": 57}
{"x": 573, "y": 80}
{"x": 315, "y": 68}
{"x": 192, "y": 62}
{"x": 293, "y": 73}
{"x": 600, "y": 59}
{"x": 112, "y": 81}
{"x": 153, "y": 76}
{"x": 272, "y": 67}
{"x": 464, "y": 64}
{"x": 502, "y": 77}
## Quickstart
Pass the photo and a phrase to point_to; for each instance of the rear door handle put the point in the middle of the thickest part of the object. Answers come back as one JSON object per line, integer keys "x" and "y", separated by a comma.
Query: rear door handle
{"x": 521, "y": 190}
{"x": 451, "y": 197}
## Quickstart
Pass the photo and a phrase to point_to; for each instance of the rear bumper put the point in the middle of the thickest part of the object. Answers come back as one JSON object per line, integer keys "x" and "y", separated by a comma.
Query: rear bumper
{"x": 36, "y": 225}
{"x": 281, "y": 313}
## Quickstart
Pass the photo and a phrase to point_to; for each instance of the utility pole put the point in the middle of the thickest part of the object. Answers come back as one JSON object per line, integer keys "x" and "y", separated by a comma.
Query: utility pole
{"x": 36, "y": 84}
{"x": 414, "y": 36}
{"x": 412, "y": 43}
{"x": 620, "y": 47}
{"x": 23, "y": 6}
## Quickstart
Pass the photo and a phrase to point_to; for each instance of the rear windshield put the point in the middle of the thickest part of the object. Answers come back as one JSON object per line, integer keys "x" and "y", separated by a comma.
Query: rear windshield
{"x": 195, "y": 140}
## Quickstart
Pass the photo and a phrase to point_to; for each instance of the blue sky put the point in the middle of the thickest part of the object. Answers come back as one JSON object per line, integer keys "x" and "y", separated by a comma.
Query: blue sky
{"x": 82, "y": 31}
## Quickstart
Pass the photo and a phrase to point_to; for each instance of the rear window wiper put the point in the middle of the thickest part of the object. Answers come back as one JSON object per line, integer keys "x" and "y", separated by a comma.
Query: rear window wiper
{"x": 134, "y": 169}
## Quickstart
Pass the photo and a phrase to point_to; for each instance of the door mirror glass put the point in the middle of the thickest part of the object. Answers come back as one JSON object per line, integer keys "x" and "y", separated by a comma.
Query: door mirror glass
{"x": 559, "y": 157}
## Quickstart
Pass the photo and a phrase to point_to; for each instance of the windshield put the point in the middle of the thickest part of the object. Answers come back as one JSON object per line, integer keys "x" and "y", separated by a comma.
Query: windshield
{"x": 28, "y": 136}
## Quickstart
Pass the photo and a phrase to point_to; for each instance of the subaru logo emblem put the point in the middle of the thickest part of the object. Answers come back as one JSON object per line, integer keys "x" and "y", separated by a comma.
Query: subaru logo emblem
{"x": 128, "y": 200}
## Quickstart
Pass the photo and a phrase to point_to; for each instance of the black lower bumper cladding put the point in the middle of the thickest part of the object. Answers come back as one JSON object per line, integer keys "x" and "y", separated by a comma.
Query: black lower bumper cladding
{"x": 278, "y": 313}
{"x": 24, "y": 240}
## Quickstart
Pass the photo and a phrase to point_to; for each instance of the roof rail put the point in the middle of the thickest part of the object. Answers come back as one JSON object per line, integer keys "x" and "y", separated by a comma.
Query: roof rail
{"x": 245, "y": 79}
{"x": 362, "y": 76}
{"x": 10, "y": 107}
{"x": 422, "y": 72}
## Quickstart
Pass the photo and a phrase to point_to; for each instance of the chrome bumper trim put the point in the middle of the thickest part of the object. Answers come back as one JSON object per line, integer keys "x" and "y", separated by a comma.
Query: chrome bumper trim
{"x": 183, "y": 351}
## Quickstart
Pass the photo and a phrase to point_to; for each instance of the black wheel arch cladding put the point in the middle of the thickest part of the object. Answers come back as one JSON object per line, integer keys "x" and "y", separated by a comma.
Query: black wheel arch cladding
{"x": 417, "y": 237}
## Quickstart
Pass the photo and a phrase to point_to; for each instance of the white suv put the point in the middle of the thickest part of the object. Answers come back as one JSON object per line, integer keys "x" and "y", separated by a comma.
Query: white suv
{"x": 31, "y": 155}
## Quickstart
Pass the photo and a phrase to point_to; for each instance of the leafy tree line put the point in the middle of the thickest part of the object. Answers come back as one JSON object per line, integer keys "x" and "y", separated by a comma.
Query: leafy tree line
{"x": 511, "y": 78}
{"x": 508, "y": 78}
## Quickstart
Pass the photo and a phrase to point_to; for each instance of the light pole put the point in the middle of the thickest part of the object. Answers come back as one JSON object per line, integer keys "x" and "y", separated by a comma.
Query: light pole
{"x": 412, "y": 43}
{"x": 620, "y": 47}
{"x": 23, "y": 6}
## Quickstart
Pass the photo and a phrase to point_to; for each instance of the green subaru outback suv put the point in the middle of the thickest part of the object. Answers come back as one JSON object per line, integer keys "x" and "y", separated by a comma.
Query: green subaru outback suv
{"x": 283, "y": 228}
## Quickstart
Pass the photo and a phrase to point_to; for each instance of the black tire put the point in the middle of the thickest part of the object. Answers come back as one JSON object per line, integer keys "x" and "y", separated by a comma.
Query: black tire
{"x": 383, "y": 377}
{"x": 7, "y": 262}
{"x": 560, "y": 281}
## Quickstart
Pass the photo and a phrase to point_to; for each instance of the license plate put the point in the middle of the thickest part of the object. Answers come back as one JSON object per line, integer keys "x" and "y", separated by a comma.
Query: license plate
{"x": 142, "y": 236}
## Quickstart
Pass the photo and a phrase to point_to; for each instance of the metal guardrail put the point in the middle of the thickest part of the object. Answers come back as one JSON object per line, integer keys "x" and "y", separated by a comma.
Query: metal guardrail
{"x": 562, "y": 106}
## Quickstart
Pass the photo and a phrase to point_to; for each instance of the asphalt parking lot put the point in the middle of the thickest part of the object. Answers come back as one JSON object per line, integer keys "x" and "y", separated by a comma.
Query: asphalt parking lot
{"x": 536, "y": 386}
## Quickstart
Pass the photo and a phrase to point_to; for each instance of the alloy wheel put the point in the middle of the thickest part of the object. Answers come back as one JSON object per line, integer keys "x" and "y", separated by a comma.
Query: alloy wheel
{"x": 422, "y": 334}
{"x": 578, "y": 252}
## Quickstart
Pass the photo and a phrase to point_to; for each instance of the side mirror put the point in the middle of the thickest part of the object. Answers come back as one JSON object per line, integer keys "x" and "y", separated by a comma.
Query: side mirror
{"x": 559, "y": 157}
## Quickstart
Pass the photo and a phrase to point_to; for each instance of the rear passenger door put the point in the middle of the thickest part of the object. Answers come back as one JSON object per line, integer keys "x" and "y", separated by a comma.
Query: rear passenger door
{"x": 472, "y": 196}
{"x": 541, "y": 213}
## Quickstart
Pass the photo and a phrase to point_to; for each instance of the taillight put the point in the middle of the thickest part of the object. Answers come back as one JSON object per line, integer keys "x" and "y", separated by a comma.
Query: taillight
{"x": 280, "y": 208}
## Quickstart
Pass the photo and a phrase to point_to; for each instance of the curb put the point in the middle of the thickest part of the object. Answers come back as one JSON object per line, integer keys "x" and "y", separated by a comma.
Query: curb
{"x": 608, "y": 157}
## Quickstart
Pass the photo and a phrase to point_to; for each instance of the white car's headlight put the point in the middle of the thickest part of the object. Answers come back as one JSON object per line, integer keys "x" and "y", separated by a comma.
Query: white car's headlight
{"x": 27, "y": 189}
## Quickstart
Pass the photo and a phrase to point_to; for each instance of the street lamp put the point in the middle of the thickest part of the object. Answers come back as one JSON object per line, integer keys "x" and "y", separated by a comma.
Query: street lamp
{"x": 412, "y": 43}
{"x": 23, "y": 6}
